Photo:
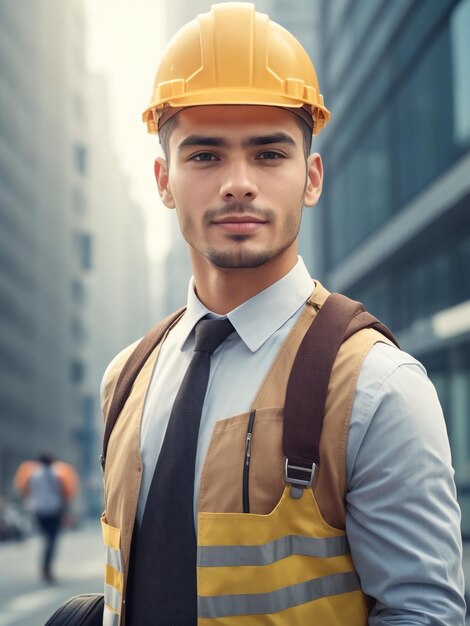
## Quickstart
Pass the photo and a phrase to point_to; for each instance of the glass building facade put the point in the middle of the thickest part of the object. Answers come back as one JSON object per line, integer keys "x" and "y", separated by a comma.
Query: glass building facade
{"x": 393, "y": 229}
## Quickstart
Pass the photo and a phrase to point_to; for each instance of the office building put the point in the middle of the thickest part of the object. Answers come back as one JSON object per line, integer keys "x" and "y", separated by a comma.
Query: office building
{"x": 393, "y": 225}
{"x": 72, "y": 260}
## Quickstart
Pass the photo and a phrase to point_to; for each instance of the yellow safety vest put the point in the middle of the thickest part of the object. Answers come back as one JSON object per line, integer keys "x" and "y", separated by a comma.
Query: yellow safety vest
{"x": 287, "y": 567}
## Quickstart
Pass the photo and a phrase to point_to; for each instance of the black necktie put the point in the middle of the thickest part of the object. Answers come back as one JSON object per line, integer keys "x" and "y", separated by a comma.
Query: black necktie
{"x": 163, "y": 586}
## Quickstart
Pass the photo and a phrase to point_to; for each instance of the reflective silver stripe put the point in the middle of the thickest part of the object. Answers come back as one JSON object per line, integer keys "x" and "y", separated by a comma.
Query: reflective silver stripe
{"x": 112, "y": 597}
{"x": 266, "y": 553}
{"x": 279, "y": 600}
{"x": 114, "y": 558}
{"x": 110, "y": 618}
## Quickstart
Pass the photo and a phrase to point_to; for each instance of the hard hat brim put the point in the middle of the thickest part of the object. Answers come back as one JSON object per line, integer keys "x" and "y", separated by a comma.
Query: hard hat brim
{"x": 153, "y": 115}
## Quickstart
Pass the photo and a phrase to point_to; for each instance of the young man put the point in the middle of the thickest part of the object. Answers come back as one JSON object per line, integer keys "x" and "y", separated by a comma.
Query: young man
{"x": 206, "y": 521}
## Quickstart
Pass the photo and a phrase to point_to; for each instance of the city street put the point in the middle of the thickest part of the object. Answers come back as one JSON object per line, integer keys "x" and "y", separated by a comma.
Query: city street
{"x": 24, "y": 599}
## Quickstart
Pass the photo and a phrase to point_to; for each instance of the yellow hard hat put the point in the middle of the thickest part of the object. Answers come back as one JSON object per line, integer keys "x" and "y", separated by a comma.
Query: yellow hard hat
{"x": 234, "y": 55}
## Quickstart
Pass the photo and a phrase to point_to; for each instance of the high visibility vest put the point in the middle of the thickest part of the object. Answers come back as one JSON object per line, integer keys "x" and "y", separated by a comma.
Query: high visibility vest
{"x": 286, "y": 561}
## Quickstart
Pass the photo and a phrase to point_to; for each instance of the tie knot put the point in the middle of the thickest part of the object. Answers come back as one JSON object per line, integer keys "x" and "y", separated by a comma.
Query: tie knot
{"x": 210, "y": 334}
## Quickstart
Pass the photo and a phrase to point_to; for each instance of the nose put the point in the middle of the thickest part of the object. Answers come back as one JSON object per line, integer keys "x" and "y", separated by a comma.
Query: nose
{"x": 238, "y": 182}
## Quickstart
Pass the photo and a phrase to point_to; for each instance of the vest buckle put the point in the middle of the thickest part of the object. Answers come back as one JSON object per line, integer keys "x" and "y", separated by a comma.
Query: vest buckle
{"x": 298, "y": 475}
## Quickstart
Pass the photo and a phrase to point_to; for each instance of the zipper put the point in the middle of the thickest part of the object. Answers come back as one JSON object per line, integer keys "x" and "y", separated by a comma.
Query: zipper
{"x": 246, "y": 464}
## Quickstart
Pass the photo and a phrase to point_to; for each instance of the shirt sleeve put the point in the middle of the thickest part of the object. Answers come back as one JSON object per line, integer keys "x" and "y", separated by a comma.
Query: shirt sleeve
{"x": 402, "y": 519}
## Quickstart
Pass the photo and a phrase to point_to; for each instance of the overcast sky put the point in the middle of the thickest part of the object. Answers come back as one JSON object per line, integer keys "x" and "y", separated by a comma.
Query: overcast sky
{"x": 124, "y": 40}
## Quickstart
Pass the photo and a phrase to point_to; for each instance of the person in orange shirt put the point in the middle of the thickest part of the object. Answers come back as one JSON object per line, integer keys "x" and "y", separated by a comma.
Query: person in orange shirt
{"x": 49, "y": 485}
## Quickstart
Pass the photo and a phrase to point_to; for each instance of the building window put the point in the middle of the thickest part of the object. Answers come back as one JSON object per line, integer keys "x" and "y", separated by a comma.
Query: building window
{"x": 77, "y": 371}
{"x": 84, "y": 245}
{"x": 361, "y": 195}
{"x": 78, "y": 291}
{"x": 78, "y": 331}
{"x": 423, "y": 129}
{"x": 89, "y": 413}
{"x": 80, "y": 158}
{"x": 78, "y": 201}
{"x": 430, "y": 277}
{"x": 460, "y": 28}
{"x": 449, "y": 370}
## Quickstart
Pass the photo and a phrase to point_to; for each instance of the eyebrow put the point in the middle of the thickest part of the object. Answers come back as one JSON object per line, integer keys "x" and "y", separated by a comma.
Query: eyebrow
{"x": 263, "y": 140}
{"x": 249, "y": 142}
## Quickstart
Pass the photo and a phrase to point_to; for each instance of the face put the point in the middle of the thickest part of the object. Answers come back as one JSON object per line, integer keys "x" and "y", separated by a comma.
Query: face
{"x": 238, "y": 179}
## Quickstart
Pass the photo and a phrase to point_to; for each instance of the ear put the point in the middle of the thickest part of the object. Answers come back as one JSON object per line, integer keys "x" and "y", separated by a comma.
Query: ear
{"x": 161, "y": 175}
{"x": 314, "y": 179}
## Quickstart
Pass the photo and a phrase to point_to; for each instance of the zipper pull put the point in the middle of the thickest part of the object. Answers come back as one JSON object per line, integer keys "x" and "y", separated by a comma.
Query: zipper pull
{"x": 248, "y": 449}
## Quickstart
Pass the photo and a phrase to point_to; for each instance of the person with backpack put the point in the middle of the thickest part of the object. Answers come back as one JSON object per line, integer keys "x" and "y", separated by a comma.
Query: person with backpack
{"x": 48, "y": 502}
{"x": 49, "y": 486}
{"x": 271, "y": 456}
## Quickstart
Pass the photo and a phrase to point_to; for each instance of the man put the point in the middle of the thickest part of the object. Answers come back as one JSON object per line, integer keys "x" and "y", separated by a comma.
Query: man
{"x": 49, "y": 496}
{"x": 372, "y": 536}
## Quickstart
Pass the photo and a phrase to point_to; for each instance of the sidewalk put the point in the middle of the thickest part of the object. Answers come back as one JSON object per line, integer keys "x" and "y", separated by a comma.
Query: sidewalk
{"x": 24, "y": 599}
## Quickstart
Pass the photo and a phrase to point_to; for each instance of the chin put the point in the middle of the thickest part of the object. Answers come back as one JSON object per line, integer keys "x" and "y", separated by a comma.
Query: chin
{"x": 238, "y": 260}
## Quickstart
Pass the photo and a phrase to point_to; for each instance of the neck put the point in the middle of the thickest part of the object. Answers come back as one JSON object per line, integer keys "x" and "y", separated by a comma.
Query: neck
{"x": 222, "y": 290}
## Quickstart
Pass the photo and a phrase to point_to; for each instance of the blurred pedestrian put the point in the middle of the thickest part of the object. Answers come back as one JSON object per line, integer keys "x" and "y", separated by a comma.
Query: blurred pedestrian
{"x": 50, "y": 491}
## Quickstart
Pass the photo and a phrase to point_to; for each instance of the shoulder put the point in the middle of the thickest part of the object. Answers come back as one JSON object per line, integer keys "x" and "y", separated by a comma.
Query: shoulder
{"x": 395, "y": 404}
{"x": 392, "y": 377}
{"x": 387, "y": 363}
{"x": 151, "y": 339}
{"x": 111, "y": 374}
{"x": 117, "y": 363}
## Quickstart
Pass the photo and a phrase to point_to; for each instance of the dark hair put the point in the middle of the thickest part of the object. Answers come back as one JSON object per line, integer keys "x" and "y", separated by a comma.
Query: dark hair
{"x": 306, "y": 134}
{"x": 45, "y": 458}
{"x": 164, "y": 135}
{"x": 165, "y": 131}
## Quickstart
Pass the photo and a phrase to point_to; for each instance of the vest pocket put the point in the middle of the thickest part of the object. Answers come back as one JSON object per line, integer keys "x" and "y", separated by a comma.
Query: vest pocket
{"x": 113, "y": 573}
{"x": 224, "y": 477}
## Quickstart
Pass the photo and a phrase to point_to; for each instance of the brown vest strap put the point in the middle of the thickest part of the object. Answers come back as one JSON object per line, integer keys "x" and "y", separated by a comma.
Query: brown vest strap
{"x": 130, "y": 372}
{"x": 307, "y": 388}
{"x": 367, "y": 320}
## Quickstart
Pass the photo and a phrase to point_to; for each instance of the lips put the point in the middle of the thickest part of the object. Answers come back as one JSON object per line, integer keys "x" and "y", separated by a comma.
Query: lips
{"x": 240, "y": 224}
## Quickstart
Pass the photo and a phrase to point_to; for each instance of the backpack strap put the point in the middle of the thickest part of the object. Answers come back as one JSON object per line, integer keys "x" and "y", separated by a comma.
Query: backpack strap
{"x": 337, "y": 320}
{"x": 130, "y": 372}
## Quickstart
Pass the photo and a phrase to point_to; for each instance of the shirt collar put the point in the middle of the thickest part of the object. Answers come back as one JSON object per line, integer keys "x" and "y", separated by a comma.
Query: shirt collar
{"x": 274, "y": 306}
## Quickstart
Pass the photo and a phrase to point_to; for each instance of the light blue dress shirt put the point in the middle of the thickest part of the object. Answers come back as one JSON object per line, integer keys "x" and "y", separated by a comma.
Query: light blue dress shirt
{"x": 402, "y": 518}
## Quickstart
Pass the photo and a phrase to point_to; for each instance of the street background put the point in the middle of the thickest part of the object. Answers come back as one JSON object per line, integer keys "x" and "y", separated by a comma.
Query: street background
{"x": 24, "y": 599}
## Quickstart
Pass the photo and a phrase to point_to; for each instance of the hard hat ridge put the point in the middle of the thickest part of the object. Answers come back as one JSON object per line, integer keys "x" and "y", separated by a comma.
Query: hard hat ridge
{"x": 234, "y": 55}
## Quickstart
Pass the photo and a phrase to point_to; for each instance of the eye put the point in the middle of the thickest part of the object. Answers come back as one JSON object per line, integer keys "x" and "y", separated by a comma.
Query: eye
{"x": 203, "y": 157}
{"x": 270, "y": 155}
